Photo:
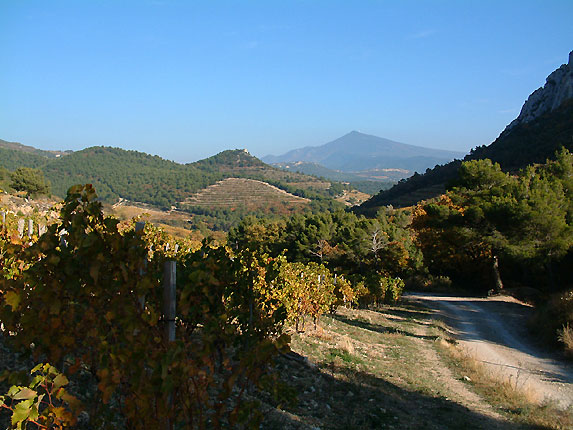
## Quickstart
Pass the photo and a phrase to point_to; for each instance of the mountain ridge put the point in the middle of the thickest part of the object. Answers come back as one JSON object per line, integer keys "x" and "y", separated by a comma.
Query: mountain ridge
{"x": 355, "y": 152}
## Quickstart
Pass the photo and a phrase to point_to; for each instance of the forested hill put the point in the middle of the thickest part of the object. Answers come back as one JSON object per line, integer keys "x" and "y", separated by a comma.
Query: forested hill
{"x": 131, "y": 175}
{"x": 526, "y": 143}
{"x": 11, "y": 159}
{"x": 140, "y": 177}
{"x": 31, "y": 150}
{"x": 230, "y": 160}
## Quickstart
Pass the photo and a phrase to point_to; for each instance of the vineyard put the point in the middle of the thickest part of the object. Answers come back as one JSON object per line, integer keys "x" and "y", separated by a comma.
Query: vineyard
{"x": 231, "y": 193}
{"x": 88, "y": 303}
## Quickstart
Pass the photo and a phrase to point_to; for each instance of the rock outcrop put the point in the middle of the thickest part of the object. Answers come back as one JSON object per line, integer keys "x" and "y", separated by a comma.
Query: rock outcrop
{"x": 557, "y": 89}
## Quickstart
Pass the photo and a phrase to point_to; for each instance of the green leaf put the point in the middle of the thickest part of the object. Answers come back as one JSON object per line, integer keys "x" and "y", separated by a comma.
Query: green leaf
{"x": 12, "y": 391}
{"x": 36, "y": 368}
{"x": 25, "y": 394}
{"x": 60, "y": 381}
{"x": 34, "y": 413}
{"x": 21, "y": 411}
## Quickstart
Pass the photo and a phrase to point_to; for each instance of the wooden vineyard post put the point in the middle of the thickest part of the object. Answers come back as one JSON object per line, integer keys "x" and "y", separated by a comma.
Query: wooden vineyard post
{"x": 3, "y": 216}
{"x": 169, "y": 287}
{"x": 169, "y": 308}
{"x": 139, "y": 226}
{"x": 30, "y": 228}
{"x": 21, "y": 227}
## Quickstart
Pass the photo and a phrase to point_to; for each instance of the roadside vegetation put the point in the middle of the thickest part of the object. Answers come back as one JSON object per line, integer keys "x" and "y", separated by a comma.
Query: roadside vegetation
{"x": 508, "y": 396}
{"x": 397, "y": 366}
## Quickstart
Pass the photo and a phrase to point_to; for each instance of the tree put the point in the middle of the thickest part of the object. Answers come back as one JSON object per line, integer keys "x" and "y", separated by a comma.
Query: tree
{"x": 30, "y": 180}
{"x": 519, "y": 224}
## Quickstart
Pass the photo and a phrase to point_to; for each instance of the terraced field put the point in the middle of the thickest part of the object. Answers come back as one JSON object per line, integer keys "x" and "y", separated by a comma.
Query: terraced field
{"x": 232, "y": 193}
{"x": 353, "y": 197}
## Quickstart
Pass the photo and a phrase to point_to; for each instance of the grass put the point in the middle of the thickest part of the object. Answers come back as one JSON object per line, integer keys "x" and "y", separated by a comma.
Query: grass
{"x": 566, "y": 337}
{"x": 366, "y": 369}
{"x": 509, "y": 396}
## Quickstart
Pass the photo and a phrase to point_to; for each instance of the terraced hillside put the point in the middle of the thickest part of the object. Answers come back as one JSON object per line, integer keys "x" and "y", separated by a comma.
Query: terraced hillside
{"x": 254, "y": 195}
{"x": 240, "y": 164}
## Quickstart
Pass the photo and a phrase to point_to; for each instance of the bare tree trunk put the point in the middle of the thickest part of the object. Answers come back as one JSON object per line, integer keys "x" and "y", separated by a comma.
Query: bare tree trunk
{"x": 497, "y": 278}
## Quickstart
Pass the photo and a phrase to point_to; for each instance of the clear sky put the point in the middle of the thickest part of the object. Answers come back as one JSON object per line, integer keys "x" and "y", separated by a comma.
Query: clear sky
{"x": 187, "y": 79}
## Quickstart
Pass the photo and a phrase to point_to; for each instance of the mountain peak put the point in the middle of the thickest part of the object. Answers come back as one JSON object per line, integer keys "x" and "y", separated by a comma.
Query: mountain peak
{"x": 356, "y": 151}
{"x": 232, "y": 158}
{"x": 557, "y": 89}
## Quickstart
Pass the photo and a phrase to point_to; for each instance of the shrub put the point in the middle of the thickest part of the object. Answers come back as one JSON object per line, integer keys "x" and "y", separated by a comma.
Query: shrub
{"x": 553, "y": 321}
{"x": 392, "y": 288}
{"x": 566, "y": 337}
{"x": 376, "y": 290}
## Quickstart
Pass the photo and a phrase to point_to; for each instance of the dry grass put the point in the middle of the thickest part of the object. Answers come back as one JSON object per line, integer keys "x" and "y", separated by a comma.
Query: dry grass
{"x": 372, "y": 369}
{"x": 346, "y": 344}
{"x": 510, "y": 395}
{"x": 353, "y": 197}
{"x": 566, "y": 337}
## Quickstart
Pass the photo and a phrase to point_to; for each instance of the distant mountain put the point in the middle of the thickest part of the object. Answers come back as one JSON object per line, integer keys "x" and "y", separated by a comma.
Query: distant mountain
{"x": 544, "y": 125}
{"x": 368, "y": 181}
{"x": 356, "y": 152}
{"x": 315, "y": 169}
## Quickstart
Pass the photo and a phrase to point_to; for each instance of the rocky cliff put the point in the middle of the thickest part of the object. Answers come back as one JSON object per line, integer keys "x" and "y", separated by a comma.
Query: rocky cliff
{"x": 557, "y": 89}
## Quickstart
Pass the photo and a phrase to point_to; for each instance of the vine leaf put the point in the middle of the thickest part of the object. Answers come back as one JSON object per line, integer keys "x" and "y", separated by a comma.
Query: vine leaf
{"x": 13, "y": 299}
{"x": 25, "y": 394}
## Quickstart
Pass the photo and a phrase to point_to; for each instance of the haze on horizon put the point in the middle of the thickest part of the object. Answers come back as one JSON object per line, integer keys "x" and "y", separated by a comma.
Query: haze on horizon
{"x": 185, "y": 80}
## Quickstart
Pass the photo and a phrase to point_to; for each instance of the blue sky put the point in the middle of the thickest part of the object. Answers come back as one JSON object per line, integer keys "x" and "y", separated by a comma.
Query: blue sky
{"x": 187, "y": 79}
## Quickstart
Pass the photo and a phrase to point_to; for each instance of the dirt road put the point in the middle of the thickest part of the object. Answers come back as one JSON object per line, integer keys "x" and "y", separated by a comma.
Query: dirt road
{"x": 493, "y": 330}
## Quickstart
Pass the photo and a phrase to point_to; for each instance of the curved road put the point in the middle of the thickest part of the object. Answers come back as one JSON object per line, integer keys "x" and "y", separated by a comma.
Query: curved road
{"x": 493, "y": 330}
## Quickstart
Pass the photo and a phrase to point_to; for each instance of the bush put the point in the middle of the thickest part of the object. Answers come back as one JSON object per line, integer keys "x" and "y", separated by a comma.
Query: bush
{"x": 553, "y": 321}
{"x": 392, "y": 288}
{"x": 376, "y": 290}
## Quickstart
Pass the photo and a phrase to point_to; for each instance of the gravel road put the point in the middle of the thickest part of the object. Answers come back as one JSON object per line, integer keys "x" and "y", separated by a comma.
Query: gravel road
{"x": 494, "y": 331}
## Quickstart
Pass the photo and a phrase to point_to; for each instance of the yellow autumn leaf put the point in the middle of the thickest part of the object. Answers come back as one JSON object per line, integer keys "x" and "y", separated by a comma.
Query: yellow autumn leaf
{"x": 12, "y": 299}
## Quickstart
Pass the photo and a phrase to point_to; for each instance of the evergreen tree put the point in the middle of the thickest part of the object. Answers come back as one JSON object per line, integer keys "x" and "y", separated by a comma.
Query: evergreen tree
{"x": 30, "y": 180}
